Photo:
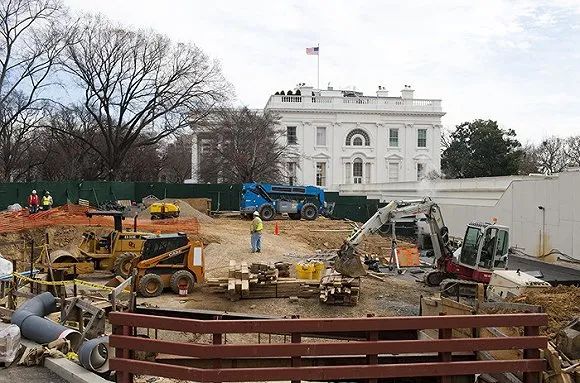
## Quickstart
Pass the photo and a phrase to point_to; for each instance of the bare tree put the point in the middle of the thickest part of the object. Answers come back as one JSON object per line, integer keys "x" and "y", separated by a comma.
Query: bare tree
{"x": 176, "y": 159}
{"x": 139, "y": 87}
{"x": 573, "y": 151}
{"x": 529, "y": 161}
{"x": 17, "y": 139}
{"x": 142, "y": 163}
{"x": 551, "y": 155}
{"x": 30, "y": 44}
{"x": 67, "y": 157}
{"x": 247, "y": 146}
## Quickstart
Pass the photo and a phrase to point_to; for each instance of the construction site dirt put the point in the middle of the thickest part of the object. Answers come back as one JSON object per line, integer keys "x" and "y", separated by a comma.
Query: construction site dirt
{"x": 226, "y": 242}
{"x": 228, "y": 238}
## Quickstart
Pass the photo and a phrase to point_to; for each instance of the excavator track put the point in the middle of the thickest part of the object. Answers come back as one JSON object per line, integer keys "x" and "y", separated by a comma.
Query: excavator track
{"x": 458, "y": 287}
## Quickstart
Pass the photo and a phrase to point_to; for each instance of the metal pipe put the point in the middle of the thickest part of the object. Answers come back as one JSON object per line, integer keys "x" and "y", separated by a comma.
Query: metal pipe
{"x": 34, "y": 326}
{"x": 94, "y": 354}
{"x": 543, "y": 232}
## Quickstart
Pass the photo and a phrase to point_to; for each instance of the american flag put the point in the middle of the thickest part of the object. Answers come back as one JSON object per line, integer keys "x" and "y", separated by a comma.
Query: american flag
{"x": 312, "y": 51}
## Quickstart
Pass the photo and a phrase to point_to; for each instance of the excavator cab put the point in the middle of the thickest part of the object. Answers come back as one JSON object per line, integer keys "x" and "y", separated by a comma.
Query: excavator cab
{"x": 485, "y": 247}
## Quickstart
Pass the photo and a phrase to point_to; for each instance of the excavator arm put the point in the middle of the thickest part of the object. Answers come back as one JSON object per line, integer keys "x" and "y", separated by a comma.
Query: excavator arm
{"x": 348, "y": 262}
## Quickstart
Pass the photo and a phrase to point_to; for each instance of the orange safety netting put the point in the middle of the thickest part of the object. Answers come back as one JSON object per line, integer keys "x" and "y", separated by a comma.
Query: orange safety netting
{"x": 70, "y": 214}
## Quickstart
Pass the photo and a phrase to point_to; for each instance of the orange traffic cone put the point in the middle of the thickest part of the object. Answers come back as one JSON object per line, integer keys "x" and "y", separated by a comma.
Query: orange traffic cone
{"x": 276, "y": 229}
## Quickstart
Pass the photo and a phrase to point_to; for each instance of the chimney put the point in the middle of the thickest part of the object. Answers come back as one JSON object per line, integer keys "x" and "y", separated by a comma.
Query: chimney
{"x": 306, "y": 90}
{"x": 382, "y": 92}
{"x": 407, "y": 92}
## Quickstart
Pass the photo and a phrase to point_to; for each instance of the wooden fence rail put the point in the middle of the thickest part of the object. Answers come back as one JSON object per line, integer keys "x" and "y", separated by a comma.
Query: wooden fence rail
{"x": 329, "y": 360}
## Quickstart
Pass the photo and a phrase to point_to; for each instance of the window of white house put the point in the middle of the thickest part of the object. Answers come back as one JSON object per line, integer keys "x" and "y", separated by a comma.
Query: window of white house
{"x": 358, "y": 137}
{"x": 393, "y": 171}
{"x": 420, "y": 171}
{"x": 321, "y": 136}
{"x": 394, "y": 138}
{"x": 357, "y": 171}
{"x": 291, "y": 138}
{"x": 291, "y": 172}
{"x": 422, "y": 138}
{"x": 321, "y": 174}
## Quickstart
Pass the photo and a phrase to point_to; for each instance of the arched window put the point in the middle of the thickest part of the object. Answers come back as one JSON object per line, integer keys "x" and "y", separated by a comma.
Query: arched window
{"x": 357, "y": 170}
{"x": 356, "y": 137}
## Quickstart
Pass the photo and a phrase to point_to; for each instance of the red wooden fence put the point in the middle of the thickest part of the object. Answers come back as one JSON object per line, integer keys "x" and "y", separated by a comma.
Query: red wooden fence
{"x": 297, "y": 360}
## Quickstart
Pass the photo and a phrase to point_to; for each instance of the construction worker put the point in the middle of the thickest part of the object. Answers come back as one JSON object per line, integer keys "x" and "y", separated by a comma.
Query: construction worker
{"x": 256, "y": 233}
{"x": 46, "y": 201}
{"x": 33, "y": 202}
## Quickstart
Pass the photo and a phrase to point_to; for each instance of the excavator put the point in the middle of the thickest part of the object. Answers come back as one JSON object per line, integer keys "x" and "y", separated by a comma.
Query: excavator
{"x": 484, "y": 247}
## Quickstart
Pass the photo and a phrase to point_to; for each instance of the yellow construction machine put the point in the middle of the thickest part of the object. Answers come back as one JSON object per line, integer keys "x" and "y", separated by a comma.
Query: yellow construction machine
{"x": 113, "y": 252}
{"x": 162, "y": 210}
{"x": 169, "y": 260}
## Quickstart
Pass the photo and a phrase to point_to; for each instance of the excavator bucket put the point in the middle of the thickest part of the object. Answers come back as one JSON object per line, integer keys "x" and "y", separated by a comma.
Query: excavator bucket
{"x": 348, "y": 262}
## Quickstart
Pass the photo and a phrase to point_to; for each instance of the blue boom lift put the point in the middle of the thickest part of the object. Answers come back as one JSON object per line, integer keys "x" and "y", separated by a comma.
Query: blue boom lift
{"x": 297, "y": 201}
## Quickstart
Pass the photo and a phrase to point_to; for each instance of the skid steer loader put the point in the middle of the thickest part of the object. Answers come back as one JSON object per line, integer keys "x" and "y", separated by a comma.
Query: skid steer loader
{"x": 169, "y": 260}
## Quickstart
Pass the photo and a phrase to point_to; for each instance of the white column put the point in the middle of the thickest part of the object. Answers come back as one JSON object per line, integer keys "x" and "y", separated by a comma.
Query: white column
{"x": 436, "y": 147}
{"x": 194, "y": 158}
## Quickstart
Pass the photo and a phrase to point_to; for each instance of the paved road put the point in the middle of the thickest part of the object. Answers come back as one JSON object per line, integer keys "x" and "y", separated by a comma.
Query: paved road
{"x": 29, "y": 375}
{"x": 555, "y": 274}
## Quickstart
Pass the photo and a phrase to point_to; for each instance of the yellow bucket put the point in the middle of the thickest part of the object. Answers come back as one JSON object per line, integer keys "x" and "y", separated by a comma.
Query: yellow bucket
{"x": 304, "y": 270}
{"x": 318, "y": 268}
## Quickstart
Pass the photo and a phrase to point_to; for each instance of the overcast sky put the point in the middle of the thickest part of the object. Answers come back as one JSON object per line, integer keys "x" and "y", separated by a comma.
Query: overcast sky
{"x": 512, "y": 61}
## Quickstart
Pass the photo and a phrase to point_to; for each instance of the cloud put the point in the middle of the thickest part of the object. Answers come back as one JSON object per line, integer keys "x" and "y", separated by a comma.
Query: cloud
{"x": 513, "y": 61}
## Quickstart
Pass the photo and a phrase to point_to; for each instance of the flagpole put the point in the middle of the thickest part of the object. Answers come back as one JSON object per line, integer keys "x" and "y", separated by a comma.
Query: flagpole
{"x": 318, "y": 68}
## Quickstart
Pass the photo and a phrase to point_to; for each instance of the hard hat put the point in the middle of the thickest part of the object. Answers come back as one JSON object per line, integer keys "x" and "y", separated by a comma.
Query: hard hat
{"x": 256, "y": 214}
{"x": 47, "y": 192}
{"x": 34, "y": 192}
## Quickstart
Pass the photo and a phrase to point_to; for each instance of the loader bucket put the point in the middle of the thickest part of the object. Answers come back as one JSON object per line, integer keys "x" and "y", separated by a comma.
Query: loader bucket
{"x": 348, "y": 263}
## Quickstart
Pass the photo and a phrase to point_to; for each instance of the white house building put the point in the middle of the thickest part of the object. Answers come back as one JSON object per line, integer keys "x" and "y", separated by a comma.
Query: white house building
{"x": 339, "y": 137}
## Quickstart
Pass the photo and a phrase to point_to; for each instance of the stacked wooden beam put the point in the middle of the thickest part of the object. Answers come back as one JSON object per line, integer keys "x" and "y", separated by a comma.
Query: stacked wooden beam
{"x": 283, "y": 269}
{"x": 263, "y": 273}
{"x": 337, "y": 289}
{"x": 260, "y": 281}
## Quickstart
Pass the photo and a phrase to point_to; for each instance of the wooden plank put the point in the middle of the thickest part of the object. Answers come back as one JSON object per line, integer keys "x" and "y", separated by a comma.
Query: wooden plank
{"x": 122, "y": 286}
{"x": 375, "y": 277}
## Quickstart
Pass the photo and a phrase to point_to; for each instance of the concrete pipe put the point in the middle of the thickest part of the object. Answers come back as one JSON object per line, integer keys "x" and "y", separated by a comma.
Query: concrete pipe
{"x": 30, "y": 317}
{"x": 62, "y": 256}
{"x": 94, "y": 354}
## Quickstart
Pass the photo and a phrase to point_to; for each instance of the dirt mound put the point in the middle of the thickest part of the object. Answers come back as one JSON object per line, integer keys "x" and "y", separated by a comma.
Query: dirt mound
{"x": 560, "y": 303}
{"x": 185, "y": 211}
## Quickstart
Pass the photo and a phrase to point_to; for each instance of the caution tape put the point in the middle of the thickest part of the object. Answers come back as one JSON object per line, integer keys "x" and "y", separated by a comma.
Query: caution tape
{"x": 64, "y": 283}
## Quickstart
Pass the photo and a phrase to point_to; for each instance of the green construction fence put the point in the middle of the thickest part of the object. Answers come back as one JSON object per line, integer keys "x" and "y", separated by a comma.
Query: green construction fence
{"x": 225, "y": 197}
